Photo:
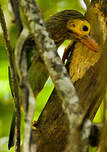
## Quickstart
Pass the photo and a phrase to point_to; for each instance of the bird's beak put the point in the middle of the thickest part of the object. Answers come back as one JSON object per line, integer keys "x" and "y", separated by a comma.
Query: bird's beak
{"x": 90, "y": 43}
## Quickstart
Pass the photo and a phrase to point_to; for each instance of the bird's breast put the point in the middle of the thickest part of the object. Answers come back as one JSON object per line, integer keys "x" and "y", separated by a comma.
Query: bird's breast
{"x": 82, "y": 59}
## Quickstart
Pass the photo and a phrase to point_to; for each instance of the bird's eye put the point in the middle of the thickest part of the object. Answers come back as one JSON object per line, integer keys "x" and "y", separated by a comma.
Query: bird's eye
{"x": 85, "y": 28}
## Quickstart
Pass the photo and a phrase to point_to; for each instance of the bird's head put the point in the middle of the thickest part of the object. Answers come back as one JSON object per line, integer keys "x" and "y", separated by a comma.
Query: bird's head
{"x": 78, "y": 26}
{"x": 70, "y": 24}
{"x": 81, "y": 30}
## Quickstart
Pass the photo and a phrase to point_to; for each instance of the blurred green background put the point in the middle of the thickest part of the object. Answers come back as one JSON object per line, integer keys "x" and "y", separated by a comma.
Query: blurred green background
{"x": 48, "y": 7}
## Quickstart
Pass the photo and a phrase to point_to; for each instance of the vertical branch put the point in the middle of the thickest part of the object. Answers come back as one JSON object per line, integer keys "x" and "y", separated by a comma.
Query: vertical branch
{"x": 28, "y": 98}
{"x": 15, "y": 82}
{"x": 15, "y": 7}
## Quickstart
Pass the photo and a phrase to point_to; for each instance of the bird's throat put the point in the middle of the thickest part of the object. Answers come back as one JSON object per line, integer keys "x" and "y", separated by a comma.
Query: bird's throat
{"x": 82, "y": 59}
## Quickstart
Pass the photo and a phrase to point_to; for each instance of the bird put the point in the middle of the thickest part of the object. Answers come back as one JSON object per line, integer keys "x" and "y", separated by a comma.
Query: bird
{"x": 70, "y": 25}
{"x": 65, "y": 25}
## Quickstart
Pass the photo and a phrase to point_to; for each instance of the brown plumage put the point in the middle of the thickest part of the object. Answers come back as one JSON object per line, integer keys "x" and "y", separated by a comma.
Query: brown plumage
{"x": 56, "y": 25}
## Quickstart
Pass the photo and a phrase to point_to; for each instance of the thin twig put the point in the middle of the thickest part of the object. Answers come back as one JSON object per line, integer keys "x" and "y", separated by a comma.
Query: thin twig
{"x": 15, "y": 82}
{"x": 15, "y": 7}
{"x": 58, "y": 73}
{"x": 28, "y": 98}
{"x": 19, "y": 47}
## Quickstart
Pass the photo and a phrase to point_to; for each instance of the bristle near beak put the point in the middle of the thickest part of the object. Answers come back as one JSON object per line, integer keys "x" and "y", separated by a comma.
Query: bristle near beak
{"x": 90, "y": 43}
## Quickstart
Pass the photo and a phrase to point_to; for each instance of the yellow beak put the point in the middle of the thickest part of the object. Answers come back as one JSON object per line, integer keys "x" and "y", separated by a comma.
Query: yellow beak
{"x": 89, "y": 43}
